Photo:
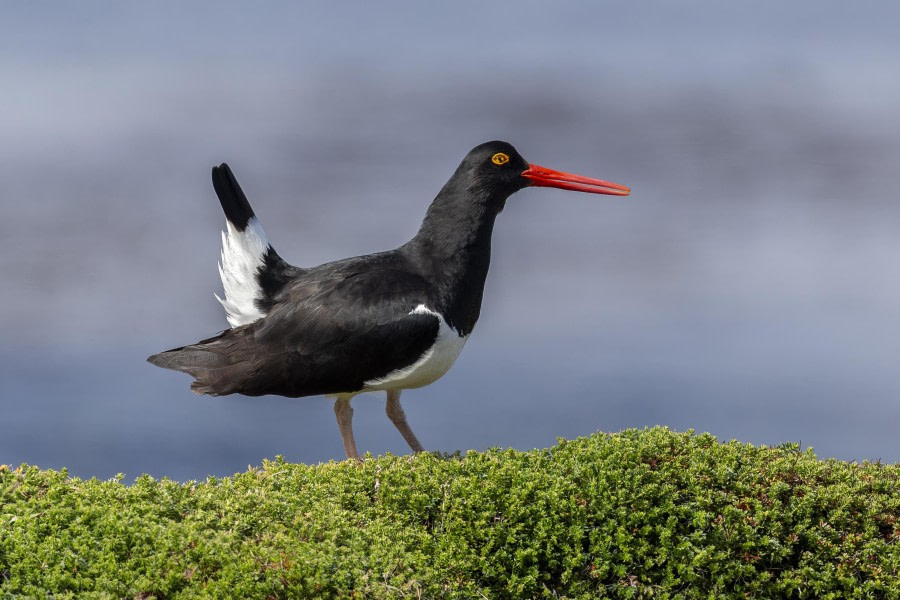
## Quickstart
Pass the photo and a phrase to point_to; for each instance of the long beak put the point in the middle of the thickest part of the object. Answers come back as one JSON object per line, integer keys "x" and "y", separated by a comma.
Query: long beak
{"x": 544, "y": 177}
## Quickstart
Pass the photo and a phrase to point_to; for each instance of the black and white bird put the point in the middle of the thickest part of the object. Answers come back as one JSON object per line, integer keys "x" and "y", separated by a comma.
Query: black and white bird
{"x": 389, "y": 321}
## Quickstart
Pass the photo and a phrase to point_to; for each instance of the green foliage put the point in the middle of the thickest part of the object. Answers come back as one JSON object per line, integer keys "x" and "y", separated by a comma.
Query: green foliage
{"x": 638, "y": 514}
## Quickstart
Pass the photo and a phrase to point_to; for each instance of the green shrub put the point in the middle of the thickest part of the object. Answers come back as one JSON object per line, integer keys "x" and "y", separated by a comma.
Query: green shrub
{"x": 637, "y": 514}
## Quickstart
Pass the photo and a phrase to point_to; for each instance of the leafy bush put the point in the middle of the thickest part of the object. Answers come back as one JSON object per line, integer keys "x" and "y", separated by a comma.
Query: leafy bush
{"x": 637, "y": 514}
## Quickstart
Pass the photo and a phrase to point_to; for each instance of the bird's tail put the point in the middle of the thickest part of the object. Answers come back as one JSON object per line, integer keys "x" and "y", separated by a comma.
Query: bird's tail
{"x": 252, "y": 272}
{"x": 209, "y": 362}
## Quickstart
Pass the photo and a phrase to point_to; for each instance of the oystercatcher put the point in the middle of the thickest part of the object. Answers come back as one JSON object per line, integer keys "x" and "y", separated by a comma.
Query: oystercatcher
{"x": 389, "y": 321}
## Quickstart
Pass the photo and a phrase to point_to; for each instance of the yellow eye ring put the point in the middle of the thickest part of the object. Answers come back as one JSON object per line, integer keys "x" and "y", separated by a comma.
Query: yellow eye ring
{"x": 500, "y": 159}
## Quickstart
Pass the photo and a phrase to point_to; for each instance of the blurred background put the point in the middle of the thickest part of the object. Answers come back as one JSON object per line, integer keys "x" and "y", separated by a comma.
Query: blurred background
{"x": 749, "y": 287}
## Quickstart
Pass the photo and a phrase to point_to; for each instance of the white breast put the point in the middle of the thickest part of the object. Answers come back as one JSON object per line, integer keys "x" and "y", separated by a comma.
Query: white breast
{"x": 436, "y": 361}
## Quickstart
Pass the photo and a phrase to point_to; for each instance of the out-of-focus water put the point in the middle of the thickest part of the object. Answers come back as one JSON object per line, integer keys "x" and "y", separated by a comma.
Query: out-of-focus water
{"x": 748, "y": 287}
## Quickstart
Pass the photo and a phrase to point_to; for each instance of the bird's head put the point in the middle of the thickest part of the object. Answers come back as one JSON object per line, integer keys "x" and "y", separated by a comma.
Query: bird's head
{"x": 498, "y": 168}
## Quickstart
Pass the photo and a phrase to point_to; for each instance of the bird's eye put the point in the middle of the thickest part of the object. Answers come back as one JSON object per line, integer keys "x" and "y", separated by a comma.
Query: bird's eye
{"x": 500, "y": 159}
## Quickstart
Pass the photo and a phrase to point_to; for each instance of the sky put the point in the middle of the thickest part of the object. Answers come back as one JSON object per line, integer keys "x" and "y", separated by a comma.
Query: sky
{"x": 747, "y": 288}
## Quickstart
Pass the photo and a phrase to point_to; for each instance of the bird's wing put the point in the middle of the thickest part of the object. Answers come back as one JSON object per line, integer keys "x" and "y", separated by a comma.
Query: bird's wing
{"x": 327, "y": 335}
{"x": 252, "y": 272}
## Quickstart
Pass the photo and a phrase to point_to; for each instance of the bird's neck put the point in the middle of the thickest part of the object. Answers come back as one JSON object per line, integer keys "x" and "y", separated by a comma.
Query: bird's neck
{"x": 453, "y": 248}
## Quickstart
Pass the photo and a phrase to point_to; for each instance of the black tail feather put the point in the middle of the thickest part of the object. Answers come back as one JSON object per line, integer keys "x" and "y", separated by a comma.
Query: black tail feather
{"x": 202, "y": 361}
{"x": 231, "y": 196}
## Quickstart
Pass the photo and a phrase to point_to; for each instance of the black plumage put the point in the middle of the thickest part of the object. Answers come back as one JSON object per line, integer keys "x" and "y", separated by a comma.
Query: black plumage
{"x": 234, "y": 203}
{"x": 338, "y": 327}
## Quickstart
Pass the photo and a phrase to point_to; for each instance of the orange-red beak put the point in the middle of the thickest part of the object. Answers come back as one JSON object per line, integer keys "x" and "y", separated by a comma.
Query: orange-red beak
{"x": 544, "y": 177}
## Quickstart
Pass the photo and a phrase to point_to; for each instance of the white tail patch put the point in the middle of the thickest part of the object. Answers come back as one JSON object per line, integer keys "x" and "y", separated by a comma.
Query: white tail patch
{"x": 242, "y": 256}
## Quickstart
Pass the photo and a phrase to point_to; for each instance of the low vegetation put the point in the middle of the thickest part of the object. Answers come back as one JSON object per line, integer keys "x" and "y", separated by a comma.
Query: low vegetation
{"x": 638, "y": 514}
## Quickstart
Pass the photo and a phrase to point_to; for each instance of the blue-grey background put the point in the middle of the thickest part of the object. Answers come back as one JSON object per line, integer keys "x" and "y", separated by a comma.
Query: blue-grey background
{"x": 749, "y": 287}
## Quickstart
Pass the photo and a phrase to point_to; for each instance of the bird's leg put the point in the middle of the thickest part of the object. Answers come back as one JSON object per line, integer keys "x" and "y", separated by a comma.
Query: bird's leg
{"x": 398, "y": 418}
{"x": 344, "y": 413}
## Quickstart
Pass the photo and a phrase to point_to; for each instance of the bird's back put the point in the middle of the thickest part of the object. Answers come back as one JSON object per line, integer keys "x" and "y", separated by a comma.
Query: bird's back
{"x": 330, "y": 329}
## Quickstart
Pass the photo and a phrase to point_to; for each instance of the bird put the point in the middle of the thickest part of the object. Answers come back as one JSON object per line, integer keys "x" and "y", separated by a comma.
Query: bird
{"x": 388, "y": 321}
